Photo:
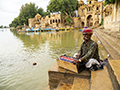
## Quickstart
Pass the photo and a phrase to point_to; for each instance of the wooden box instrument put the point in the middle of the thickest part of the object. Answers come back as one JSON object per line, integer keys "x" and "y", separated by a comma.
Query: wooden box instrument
{"x": 66, "y": 63}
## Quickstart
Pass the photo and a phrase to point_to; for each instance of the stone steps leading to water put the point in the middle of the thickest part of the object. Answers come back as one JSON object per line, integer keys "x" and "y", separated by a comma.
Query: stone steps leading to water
{"x": 60, "y": 80}
{"x": 112, "y": 40}
{"x": 58, "y": 74}
{"x": 109, "y": 43}
{"x": 112, "y": 45}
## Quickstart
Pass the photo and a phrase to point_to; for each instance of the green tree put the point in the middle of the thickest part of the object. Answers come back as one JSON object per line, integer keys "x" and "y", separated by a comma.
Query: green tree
{"x": 27, "y": 11}
{"x": 14, "y": 23}
{"x": 65, "y": 7}
{"x": 109, "y": 2}
{"x": 1, "y": 26}
{"x": 42, "y": 12}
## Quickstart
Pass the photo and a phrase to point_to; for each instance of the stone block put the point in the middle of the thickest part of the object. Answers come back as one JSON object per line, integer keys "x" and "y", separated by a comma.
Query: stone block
{"x": 114, "y": 70}
{"x": 64, "y": 86}
{"x": 58, "y": 74}
{"x": 67, "y": 65}
{"x": 81, "y": 84}
{"x": 100, "y": 80}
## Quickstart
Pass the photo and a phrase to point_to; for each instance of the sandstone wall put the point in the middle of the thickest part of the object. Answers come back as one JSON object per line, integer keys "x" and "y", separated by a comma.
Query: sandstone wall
{"x": 113, "y": 21}
{"x": 76, "y": 22}
{"x": 107, "y": 22}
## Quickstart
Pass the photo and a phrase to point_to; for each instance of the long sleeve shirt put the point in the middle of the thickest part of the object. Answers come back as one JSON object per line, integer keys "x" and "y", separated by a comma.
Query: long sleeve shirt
{"x": 89, "y": 50}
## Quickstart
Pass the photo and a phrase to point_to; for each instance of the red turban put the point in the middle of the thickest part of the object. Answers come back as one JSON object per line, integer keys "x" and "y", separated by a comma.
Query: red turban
{"x": 89, "y": 31}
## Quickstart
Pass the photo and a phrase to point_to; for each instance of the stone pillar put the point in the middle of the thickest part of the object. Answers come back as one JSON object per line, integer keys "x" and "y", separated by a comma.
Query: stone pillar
{"x": 85, "y": 23}
{"x": 94, "y": 15}
{"x": 115, "y": 12}
{"x": 101, "y": 11}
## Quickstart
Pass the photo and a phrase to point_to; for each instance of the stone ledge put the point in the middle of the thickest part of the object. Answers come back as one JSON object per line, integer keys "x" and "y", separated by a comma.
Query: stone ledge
{"x": 58, "y": 74}
{"x": 57, "y": 69}
{"x": 114, "y": 70}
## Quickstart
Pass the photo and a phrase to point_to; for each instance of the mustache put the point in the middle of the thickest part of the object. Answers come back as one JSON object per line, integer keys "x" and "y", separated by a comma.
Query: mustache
{"x": 86, "y": 38}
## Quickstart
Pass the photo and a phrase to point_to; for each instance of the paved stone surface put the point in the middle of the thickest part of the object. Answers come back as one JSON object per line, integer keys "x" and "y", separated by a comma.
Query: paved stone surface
{"x": 100, "y": 80}
{"x": 81, "y": 84}
{"x": 64, "y": 86}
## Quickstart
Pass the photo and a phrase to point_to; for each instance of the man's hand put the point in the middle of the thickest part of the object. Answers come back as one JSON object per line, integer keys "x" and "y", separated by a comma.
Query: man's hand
{"x": 75, "y": 61}
{"x": 78, "y": 55}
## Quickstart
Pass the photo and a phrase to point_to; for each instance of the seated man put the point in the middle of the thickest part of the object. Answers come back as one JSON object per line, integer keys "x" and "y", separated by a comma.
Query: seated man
{"x": 88, "y": 52}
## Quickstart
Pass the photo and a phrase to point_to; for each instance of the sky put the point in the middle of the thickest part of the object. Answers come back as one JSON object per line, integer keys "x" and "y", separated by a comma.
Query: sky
{"x": 10, "y": 9}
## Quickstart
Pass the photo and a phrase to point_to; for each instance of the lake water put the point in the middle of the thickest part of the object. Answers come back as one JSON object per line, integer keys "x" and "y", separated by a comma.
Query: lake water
{"x": 18, "y": 52}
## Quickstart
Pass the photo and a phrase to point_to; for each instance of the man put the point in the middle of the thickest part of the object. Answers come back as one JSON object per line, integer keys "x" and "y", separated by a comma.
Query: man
{"x": 88, "y": 52}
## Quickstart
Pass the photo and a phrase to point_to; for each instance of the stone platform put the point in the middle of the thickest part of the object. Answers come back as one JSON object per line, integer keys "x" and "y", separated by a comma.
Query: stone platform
{"x": 61, "y": 79}
{"x": 58, "y": 74}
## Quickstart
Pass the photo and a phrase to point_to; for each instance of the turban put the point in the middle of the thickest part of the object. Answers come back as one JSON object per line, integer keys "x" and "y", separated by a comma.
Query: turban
{"x": 84, "y": 28}
{"x": 87, "y": 30}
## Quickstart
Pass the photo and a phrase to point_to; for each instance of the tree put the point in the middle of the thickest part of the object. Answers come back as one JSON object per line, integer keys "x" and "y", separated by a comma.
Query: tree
{"x": 14, "y": 23}
{"x": 27, "y": 11}
{"x": 65, "y": 7}
{"x": 42, "y": 13}
{"x": 110, "y": 1}
{"x": 1, "y": 26}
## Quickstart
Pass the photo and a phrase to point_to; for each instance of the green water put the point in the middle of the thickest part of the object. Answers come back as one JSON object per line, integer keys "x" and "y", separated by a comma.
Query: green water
{"x": 18, "y": 52}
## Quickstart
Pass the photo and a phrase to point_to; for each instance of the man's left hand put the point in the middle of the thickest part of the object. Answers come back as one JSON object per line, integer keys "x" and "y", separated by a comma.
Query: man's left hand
{"x": 75, "y": 61}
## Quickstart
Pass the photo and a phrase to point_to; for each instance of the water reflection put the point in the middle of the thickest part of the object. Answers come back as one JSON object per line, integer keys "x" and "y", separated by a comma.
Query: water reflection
{"x": 59, "y": 42}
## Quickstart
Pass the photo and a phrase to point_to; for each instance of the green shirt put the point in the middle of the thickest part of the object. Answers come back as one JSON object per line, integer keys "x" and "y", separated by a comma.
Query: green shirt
{"x": 89, "y": 50}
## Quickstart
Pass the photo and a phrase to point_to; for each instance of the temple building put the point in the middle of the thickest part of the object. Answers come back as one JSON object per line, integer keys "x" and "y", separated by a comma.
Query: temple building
{"x": 43, "y": 22}
{"x": 89, "y": 15}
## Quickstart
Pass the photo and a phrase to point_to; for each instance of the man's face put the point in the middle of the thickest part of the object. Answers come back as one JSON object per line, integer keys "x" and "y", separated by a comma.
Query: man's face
{"x": 86, "y": 36}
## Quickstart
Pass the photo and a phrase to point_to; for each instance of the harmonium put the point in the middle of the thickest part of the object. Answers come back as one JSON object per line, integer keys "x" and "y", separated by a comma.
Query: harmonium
{"x": 66, "y": 63}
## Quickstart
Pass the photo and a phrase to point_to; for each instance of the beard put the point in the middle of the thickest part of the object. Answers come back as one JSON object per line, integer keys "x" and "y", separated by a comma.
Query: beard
{"x": 85, "y": 38}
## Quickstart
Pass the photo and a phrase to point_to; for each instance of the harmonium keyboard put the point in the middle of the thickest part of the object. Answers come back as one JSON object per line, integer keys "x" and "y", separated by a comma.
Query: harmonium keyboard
{"x": 66, "y": 63}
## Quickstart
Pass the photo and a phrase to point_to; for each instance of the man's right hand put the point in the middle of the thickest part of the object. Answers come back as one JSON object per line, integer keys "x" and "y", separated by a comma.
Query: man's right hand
{"x": 78, "y": 55}
{"x": 75, "y": 61}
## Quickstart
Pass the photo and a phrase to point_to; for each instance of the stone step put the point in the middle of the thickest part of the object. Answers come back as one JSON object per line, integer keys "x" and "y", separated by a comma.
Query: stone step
{"x": 58, "y": 74}
{"x": 114, "y": 54}
{"x": 115, "y": 43}
{"x": 116, "y": 40}
{"x": 64, "y": 86}
{"x": 100, "y": 80}
{"x": 81, "y": 84}
{"x": 114, "y": 71}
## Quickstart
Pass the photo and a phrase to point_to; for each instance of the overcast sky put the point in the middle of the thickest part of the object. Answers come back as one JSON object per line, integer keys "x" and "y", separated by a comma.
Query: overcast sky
{"x": 10, "y": 9}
